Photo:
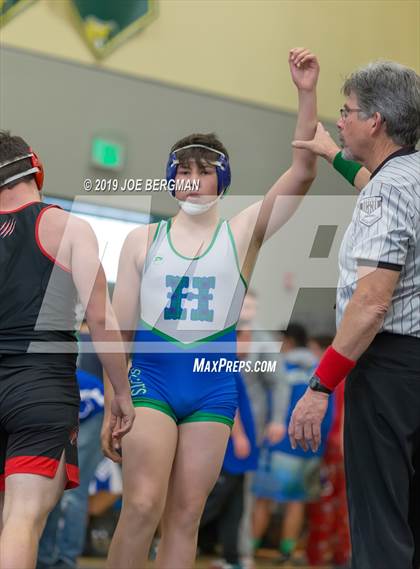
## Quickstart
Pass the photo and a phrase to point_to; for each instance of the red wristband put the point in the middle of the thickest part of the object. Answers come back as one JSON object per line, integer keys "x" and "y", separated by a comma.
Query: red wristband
{"x": 333, "y": 368}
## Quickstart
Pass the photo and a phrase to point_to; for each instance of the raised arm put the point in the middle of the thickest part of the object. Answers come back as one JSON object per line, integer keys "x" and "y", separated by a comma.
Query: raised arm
{"x": 284, "y": 196}
{"x": 304, "y": 70}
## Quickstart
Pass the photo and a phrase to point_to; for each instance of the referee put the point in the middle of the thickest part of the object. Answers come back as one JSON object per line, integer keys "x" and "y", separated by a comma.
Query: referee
{"x": 377, "y": 345}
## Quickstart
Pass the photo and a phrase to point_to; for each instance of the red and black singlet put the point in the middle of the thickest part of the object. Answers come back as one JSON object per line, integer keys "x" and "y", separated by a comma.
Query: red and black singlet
{"x": 37, "y": 294}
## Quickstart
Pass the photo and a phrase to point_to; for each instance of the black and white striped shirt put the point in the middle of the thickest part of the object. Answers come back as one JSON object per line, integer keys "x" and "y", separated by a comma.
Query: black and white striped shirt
{"x": 385, "y": 232}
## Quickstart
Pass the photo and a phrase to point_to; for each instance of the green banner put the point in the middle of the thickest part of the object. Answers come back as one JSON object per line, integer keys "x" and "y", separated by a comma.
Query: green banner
{"x": 9, "y": 8}
{"x": 107, "y": 23}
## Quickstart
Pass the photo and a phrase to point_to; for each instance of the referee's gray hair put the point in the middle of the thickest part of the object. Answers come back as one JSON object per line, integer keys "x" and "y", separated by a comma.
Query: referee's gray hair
{"x": 392, "y": 90}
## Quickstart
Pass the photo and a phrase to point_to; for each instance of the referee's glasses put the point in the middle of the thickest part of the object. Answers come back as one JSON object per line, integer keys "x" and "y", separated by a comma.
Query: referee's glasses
{"x": 345, "y": 111}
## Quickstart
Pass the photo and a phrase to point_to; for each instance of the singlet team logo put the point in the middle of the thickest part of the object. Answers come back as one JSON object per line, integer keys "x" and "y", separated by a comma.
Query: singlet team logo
{"x": 197, "y": 289}
{"x": 7, "y": 228}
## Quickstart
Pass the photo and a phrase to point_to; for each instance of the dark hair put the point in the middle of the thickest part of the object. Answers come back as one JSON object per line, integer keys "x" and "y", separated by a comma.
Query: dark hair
{"x": 297, "y": 333}
{"x": 12, "y": 147}
{"x": 199, "y": 154}
{"x": 323, "y": 340}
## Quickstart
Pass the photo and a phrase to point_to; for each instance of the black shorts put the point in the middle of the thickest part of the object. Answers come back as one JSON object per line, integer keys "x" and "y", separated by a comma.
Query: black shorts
{"x": 39, "y": 415}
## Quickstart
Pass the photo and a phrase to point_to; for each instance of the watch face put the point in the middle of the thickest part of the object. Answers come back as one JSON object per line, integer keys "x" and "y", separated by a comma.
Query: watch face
{"x": 314, "y": 382}
{"x": 316, "y": 385}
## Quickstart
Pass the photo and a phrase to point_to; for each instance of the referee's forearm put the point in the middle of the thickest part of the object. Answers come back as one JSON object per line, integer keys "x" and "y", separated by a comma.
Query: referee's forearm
{"x": 359, "y": 326}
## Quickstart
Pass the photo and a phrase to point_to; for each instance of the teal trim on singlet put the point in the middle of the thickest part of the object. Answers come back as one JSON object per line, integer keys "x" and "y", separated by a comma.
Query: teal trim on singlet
{"x": 161, "y": 234}
{"x": 203, "y": 417}
{"x": 154, "y": 404}
{"x": 183, "y": 344}
{"x": 168, "y": 234}
{"x": 197, "y": 417}
{"x": 155, "y": 236}
{"x": 235, "y": 251}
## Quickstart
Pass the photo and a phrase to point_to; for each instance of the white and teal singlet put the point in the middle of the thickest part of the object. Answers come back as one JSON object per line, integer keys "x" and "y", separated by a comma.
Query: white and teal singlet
{"x": 189, "y": 308}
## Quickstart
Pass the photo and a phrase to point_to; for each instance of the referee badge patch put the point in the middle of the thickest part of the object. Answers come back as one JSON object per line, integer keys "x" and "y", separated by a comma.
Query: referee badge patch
{"x": 370, "y": 210}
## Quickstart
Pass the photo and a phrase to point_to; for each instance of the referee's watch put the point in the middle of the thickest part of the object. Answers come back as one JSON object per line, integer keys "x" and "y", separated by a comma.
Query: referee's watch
{"x": 316, "y": 385}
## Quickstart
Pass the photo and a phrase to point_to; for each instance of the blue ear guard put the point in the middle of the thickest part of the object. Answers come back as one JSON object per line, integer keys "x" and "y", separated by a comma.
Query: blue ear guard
{"x": 222, "y": 167}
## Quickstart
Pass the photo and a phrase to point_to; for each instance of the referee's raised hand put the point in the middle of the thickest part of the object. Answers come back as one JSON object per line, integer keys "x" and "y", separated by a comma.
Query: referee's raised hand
{"x": 322, "y": 144}
{"x": 305, "y": 423}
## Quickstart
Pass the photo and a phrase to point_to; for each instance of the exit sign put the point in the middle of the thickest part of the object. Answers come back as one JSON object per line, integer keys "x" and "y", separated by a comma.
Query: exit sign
{"x": 107, "y": 153}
